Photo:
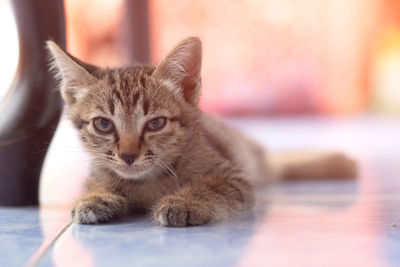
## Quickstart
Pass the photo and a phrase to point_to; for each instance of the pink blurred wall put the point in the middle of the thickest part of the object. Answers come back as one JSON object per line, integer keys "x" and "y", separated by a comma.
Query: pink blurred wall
{"x": 260, "y": 57}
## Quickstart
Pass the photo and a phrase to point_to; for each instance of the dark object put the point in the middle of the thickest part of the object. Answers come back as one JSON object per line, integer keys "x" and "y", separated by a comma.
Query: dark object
{"x": 30, "y": 112}
{"x": 137, "y": 31}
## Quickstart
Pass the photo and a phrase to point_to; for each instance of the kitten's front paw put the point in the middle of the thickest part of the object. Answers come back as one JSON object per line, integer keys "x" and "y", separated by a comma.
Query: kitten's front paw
{"x": 175, "y": 211}
{"x": 98, "y": 208}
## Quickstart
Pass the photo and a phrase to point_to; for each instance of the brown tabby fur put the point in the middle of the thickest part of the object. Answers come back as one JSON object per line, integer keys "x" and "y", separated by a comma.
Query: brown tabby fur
{"x": 194, "y": 170}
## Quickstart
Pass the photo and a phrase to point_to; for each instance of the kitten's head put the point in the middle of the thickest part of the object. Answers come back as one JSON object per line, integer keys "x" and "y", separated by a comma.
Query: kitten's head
{"x": 134, "y": 120}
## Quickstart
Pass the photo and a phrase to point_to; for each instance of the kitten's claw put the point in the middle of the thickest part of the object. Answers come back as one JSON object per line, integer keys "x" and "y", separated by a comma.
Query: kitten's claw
{"x": 94, "y": 209}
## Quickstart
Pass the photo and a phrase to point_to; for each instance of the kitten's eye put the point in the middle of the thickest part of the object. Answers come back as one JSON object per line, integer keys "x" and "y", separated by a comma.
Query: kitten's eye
{"x": 103, "y": 126}
{"x": 156, "y": 124}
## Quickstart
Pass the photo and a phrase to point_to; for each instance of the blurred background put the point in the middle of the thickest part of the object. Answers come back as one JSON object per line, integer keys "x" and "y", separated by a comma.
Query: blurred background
{"x": 274, "y": 57}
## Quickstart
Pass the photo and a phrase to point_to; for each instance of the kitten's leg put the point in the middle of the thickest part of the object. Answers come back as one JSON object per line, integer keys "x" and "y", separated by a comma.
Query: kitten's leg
{"x": 208, "y": 200}
{"x": 99, "y": 207}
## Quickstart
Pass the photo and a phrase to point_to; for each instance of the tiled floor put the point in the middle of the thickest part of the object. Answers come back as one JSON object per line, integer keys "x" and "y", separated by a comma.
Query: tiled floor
{"x": 327, "y": 223}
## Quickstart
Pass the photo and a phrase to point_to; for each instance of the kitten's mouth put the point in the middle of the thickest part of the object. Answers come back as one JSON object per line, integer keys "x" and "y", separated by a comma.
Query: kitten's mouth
{"x": 132, "y": 171}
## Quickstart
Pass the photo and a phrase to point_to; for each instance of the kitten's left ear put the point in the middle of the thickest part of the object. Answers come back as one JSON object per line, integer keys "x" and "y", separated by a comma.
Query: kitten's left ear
{"x": 76, "y": 76}
{"x": 182, "y": 67}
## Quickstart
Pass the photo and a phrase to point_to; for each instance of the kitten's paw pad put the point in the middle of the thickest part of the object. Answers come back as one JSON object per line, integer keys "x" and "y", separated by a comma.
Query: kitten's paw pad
{"x": 94, "y": 209}
{"x": 176, "y": 212}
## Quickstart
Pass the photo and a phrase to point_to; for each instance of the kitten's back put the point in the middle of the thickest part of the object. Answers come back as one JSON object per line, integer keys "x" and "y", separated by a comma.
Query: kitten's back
{"x": 250, "y": 156}
{"x": 260, "y": 167}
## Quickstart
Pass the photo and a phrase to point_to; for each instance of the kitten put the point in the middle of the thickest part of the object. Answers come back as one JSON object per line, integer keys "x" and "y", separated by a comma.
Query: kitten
{"x": 153, "y": 150}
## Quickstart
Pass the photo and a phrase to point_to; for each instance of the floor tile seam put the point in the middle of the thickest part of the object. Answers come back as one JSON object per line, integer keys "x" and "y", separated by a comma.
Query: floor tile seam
{"x": 46, "y": 245}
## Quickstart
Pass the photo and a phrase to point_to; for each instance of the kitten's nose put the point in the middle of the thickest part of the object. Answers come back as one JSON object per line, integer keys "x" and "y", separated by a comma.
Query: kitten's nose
{"x": 128, "y": 158}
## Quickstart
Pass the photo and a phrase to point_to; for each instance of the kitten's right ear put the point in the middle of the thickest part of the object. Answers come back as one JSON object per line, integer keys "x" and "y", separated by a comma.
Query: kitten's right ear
{"x": 181, "y": 66}
{"x": 74, "y": 74}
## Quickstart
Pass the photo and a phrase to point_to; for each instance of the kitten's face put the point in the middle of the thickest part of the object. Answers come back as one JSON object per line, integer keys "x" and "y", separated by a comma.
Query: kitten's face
{"x": 133, "y": 121}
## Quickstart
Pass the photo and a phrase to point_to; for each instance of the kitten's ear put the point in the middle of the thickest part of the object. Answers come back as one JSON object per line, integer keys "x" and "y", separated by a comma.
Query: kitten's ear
{"x": 182, "y": 67}
{"x": 75, "y": 75}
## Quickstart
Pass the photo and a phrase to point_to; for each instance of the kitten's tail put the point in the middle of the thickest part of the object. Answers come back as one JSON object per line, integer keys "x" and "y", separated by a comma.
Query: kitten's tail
{"x": 312, "y": 165}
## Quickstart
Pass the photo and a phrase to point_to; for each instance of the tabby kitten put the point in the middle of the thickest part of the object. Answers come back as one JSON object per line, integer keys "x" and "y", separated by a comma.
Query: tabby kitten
{"x": 153, "y": 150}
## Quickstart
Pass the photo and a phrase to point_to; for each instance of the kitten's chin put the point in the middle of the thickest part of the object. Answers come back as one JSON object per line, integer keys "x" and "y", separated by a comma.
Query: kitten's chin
{"x": 134, "y": 172}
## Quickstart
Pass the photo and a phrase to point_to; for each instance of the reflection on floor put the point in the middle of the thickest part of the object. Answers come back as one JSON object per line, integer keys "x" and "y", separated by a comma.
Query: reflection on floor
{"x": 328, "y": 223}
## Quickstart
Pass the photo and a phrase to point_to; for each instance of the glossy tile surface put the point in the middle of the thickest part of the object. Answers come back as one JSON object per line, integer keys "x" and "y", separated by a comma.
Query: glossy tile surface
{"x": 24, "y": 231}
{"x": 283, "y": 230}
{"x": 20, "y": 235}
{"x": 325, "y": 223}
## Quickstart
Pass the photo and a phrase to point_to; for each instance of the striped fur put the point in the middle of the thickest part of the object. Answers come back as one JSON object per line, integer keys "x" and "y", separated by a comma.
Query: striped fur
{"x": 193, "y": 170}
